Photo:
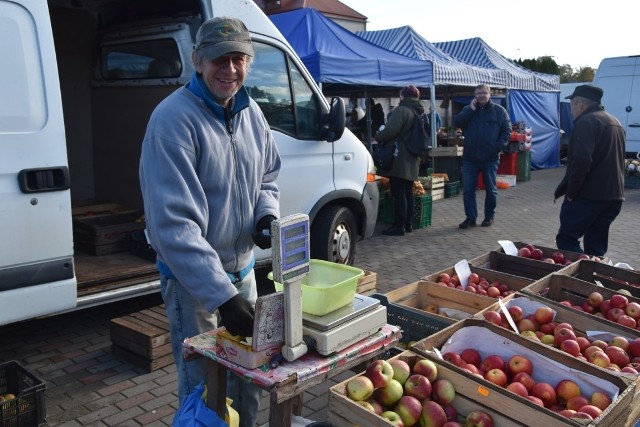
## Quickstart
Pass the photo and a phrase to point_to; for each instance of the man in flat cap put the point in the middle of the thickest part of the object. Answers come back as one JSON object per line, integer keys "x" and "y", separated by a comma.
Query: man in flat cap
{"x": 593, "y": 185}
{"x": 207, "y": 173}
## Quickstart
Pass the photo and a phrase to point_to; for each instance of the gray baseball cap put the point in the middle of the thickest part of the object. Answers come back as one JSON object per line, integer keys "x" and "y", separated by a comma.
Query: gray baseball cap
{"x": 223, "y": 35}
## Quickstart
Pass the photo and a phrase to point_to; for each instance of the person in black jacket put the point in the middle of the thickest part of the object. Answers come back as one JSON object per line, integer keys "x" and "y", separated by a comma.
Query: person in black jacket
{"x": 593, "y": 184}
{"x": 486, "y": 128}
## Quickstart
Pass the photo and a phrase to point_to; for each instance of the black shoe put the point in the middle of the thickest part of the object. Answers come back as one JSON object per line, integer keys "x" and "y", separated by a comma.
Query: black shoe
{"x": 408, "y": 228}
{"x": 467, "y": 223}
{"x": 394, "y": 230}
{"x": 487, "y": 222}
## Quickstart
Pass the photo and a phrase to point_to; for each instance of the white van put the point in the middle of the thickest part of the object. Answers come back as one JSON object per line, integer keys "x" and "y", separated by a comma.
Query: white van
{"x": 620, "y": 79}
{"x": 79, "y": 79}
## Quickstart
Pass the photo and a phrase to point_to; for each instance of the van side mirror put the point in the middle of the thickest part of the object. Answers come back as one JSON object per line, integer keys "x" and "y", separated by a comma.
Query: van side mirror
{"x": 336, "y": 120}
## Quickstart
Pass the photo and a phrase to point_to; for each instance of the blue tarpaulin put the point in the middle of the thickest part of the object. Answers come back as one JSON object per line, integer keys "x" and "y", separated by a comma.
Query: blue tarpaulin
{"x": 333, "y": 54}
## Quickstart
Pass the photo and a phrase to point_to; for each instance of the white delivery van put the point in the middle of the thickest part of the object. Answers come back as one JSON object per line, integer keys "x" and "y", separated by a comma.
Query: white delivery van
{"x": 620, "y": 79}
{"x": 78, "y": 82}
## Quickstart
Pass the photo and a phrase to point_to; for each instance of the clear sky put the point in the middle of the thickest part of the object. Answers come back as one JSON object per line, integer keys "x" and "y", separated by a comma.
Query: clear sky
{"x": 578, "y": 33}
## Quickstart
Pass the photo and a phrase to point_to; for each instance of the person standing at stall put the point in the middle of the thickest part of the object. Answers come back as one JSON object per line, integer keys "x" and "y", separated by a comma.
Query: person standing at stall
{"x": 593, "y": 184}
{"x": 486, "y": 128}
{"x": 207, "y": 172}
{"x": 405, "y": 166}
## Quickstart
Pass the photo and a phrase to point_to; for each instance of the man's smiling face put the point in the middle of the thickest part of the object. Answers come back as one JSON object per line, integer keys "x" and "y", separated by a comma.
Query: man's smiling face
{"x": 224, "y": 75}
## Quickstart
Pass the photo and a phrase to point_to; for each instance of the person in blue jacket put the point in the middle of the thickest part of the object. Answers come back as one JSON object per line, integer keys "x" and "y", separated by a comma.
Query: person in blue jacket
{"x": 486, "y": 128}
{"x": 208, "y": 178}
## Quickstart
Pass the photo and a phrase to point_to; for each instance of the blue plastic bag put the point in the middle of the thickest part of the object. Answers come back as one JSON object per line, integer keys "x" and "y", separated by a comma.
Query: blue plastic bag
{"x": 195, "y": 413}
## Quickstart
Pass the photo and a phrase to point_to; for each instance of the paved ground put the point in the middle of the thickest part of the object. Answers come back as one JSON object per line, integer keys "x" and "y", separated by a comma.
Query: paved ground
{"x": 87, "y": 385}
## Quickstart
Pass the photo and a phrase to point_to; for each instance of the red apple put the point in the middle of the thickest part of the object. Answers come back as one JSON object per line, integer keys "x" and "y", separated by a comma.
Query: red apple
{"x": 524, "y": 252}
{"x": 634, "y": 348}
{"x": 451, "y": 411}
{"x": 377, "y": 406}
{"x": 566, "y": 389}
{"x": 583, "y": 342}
{"x": 577, "y": 402}
{"x": 595, "y": 299}
{"x": 617, "y": 356}
{"x": 605, "y": 306}
{"x": 496, "y": 376}
{"x": 600, "y": 358}
{"x": 527, "y": 325}
{"x": 516, "y": 313}
{"x": 401, "y": 370}
{"x": 493, "y": 292}
{"x": 548, "y": 328}
{"x": 600, "y": 343}
{"x": 519, "y": 363}
{"x": 472, "y": 369}
{"x": 570, "y": 346}
{"x": 558, "y": 257}
{"x": 417, "y": 386}
{"x": 443, "y": 391}
{"x": 563, "y": 325}
{"x": 545, "y": 392}
{"x": 633, "y": 309}
{"x": 588, "y": 308}
{"x": 620, "y": 341}
{"x": 619, "y": 301}
{"x": 478, "y": 418}
{"x": 562, "y": 335}
{"x": 548, "y": 260}
{"x": 379, "y": 372}
{"x": 359, "y": 388}
{"x": 453, "y": 358}
{"x": 492, "y": 361}
{"x": 614, "y": 314}
{"x": 473, "y": 278}
{"x": 518, "y": 388}
{"x": 535, "y": 400}
{"x": 492, "y": 316}
{"x": 592, "y": 410}
{"x": 568, "y": 413}
{"x": 581, "y": 416}
{"x": 537, "y": 254}
{"x": 471, "y": 355}
{"x": 525, "y": 379}
{"x": 625, "y": 320}
{"x": 600, "y": 399}
{"x": 427, "y": 368}
{"x": 444, "y": 278}
{"x": 432, "y": 414}
{"x": 392, "y": 418}
{"x": 390, "y": 394}
{"x": 409, "y": 409}
{"x": 366, "y": 405}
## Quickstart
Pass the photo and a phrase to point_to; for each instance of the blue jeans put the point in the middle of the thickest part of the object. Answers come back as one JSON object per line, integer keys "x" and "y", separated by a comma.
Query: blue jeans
{"x": 187, "y": 318}
{"x": 470, "y": 171}
{"x": 588, "y": 218}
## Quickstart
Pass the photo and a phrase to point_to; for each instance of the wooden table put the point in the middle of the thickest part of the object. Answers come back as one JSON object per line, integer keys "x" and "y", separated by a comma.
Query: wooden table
{"x": 289, "y": 380}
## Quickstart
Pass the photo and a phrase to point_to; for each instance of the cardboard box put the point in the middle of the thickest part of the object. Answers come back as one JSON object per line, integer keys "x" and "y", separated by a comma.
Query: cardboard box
{"x": 344, "y": 412}
{"x": 559, "y": 287}
{"x": 609, "y": 276}
{"x": 513, "y": 282}
{"x": 515, "y": 265}
{"x": 549, "y": 366}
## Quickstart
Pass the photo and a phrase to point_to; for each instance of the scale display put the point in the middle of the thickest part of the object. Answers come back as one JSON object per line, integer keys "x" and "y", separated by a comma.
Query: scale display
{"x": 290, "y": 239}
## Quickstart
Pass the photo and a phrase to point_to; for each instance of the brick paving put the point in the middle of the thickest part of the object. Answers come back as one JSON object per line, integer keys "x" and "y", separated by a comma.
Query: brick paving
{"x": 88, "y": 386}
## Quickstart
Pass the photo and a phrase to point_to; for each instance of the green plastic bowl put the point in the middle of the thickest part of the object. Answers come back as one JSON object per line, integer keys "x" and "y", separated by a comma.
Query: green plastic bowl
{"x": 327, "y": 287}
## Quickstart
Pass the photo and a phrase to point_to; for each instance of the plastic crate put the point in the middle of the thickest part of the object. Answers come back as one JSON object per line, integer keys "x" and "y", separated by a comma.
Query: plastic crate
{"x": 524, "y": 166}
{"x": 421, "y": 211}
{"x": 415, "y": 325}
{"x": 451, "y": 189}
{"x": 631, "y": 181}
{"x": 28, "y": 407}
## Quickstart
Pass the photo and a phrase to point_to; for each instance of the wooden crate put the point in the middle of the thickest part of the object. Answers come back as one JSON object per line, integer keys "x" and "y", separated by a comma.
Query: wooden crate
{"x": 609, "y": 276}
{"x": 550, "y": 365}
{"x": 367, "y": 283}
{"x": 423, "y": 296}
{"x": 446, "y": 151}
{"x": 101, "y": 232}
{"x": 142, "y": 338}
{"x": 515, "y": 265}
{"x": 513, "y": 282}
{"x": 436, "y": 189}
{"x": 546, "y": 252}
{"x": 343, "y": 412}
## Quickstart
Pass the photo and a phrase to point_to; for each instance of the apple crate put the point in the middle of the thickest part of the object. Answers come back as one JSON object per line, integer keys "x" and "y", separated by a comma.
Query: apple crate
{"x": 415, "y": 324}
{"x": 547, "y": 252}
{"x": 609, "y": 276}
{"x": 344, "y": 412}
{"x": 449, "y": 303}
{"x": 28, "y": 407}
{"x": 515, "y": 265}
{"x": 550, "y": 366}
{"x": 513, "y": 282}
{"x": 559, "y": 288}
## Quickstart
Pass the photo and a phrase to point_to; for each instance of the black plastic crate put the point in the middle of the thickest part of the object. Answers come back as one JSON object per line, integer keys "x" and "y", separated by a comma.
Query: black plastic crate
{"x": 27, "y": 409}
{"x": 415, "y": 325}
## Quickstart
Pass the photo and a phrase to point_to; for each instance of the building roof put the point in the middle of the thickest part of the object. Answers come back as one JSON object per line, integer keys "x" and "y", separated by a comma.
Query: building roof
{"x": 330, "y": 8}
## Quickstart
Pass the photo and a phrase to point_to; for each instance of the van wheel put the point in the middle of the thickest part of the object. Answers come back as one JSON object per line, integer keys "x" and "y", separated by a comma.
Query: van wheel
{"x": 333, "y": 236}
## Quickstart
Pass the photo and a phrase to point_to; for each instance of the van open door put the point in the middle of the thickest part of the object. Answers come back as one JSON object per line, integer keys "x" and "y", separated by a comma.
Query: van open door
{"x": 36, "y": 248}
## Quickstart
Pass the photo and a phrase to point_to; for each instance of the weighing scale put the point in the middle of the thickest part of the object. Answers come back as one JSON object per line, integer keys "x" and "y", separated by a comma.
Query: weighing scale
{"x": 363, "y": 317}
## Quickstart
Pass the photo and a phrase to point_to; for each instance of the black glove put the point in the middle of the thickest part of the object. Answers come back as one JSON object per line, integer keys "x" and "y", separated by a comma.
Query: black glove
{"x": 237, "y": 316}
{"x": 262, "y": 235}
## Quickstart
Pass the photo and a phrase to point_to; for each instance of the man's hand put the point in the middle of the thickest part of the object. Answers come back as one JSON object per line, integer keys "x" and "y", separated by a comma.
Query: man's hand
{"x": 237, "y": 316}
{"x": 262, "y": 234}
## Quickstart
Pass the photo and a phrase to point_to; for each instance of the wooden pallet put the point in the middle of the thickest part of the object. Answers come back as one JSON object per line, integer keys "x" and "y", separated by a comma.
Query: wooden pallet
{"x": 142, "y": 338}
{"x": 367, "y": 283}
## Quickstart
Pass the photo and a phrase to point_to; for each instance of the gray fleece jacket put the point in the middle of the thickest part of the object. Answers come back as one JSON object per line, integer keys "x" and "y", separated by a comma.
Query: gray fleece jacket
{"x": 207, "y": 176}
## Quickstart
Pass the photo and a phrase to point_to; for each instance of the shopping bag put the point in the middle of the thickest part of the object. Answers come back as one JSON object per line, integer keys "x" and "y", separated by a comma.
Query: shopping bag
{"x": 383, "y": 156}
{"x": 195, "y": 413}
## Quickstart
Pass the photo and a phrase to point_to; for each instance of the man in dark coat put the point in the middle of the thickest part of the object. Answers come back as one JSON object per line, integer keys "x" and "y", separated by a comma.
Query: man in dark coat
{"x": 486, "y": 128}
{"x": 593, "y": 185}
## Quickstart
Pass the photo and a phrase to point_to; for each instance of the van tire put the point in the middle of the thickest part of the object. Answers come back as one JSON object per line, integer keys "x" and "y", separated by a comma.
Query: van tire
{"x": 334, "y": 235}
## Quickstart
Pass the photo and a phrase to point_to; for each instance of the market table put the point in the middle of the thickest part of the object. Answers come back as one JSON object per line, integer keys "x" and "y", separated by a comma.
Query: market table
{"x": 288, "y": 380}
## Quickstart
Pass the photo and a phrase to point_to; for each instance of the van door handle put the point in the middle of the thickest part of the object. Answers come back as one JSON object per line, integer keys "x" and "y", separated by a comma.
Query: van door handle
{"x": 634, "y": 125}
{"x": 42, "y": 180}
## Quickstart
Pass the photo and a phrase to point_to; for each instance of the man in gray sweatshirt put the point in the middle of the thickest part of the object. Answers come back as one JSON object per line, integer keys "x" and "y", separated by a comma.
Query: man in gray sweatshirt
{"x": 207, "y": 172}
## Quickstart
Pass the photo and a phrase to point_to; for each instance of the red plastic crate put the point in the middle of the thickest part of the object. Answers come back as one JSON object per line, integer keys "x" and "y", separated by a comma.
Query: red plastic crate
{"x": 508, "y": 164}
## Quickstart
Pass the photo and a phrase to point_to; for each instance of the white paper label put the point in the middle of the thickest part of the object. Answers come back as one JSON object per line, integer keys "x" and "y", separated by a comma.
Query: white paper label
{"x": 508, "y": 247}
{"x": 463, "y": 271}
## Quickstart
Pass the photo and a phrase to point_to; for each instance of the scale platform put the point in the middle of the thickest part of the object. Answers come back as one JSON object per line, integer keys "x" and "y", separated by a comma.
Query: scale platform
{"x": 345, "y": 326}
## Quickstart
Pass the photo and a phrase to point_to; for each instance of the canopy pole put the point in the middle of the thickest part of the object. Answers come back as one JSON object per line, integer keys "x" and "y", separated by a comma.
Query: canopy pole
{"x": 368, "y": 118}
{"x": 434, "y": 137}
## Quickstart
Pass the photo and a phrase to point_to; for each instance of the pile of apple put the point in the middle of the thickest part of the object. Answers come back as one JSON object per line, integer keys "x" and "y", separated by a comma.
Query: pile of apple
{"x": 515, "y": 374}
{"x": 410, "y": 396}
{"x": 617, "y": 309}
{"x": 476, "y": 284}
{"x": 619, "y": 354}
{"x": 557, "y": 257}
